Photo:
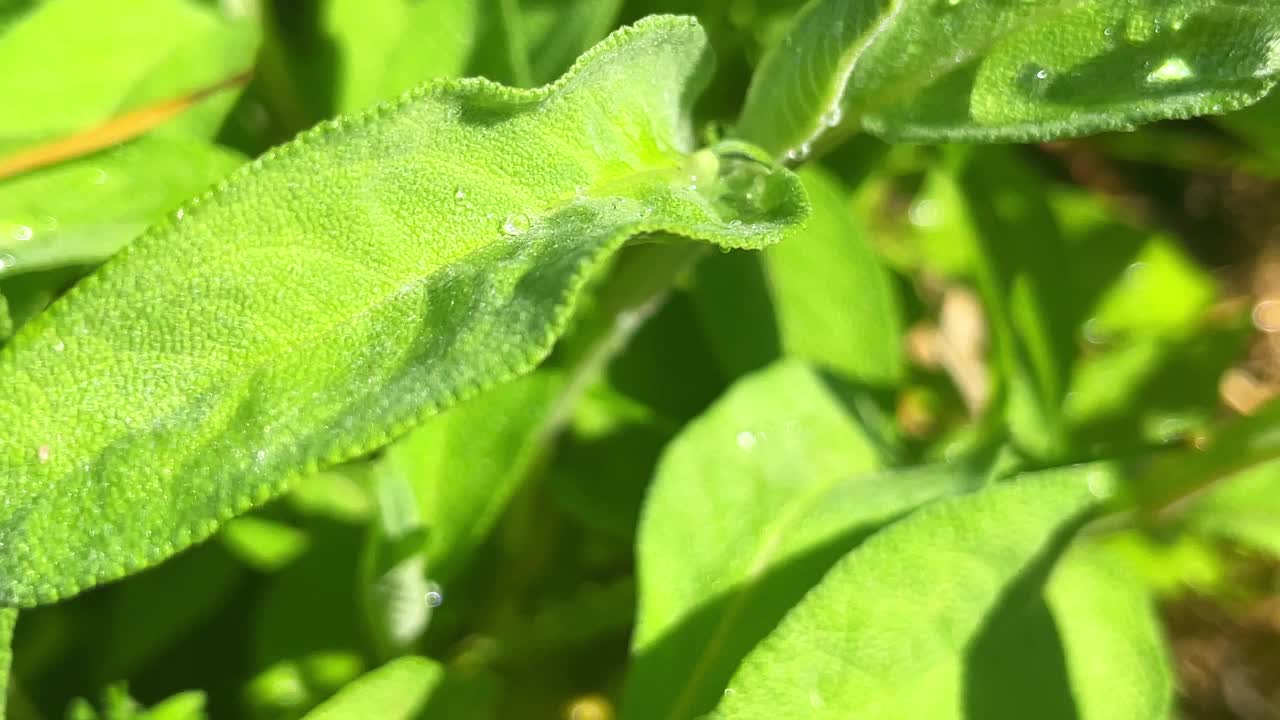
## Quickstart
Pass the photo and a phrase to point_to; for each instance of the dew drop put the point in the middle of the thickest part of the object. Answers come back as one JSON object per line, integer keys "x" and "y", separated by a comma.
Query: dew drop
{"x": 7, "y": 261}
{"x": 1034, "y": 79}
{"x": 459, "y": 194}
{"x": 1172, "y": 70}
{"x": 747, "y": 440}
{"x": 799, "y": 154}
{"x": 832, "y": 117}
{"x": 100, "y": 176}
{"x": 516, "y": 224}
{"x": 924, "y": 213}
{"x": 20, "y": 233}
{"x": 434, "y": 595}
{"x": 260, "y": 455}
{"x": 59, "y": 346}
{"x": 42, "y": 454}
{"x": 180, "y": 214}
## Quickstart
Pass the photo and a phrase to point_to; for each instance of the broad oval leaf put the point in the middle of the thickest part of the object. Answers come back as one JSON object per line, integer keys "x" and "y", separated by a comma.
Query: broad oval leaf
{"x": 752, "y": 502}
{"x": 331, "y": 295}
{"x": 885, "y": 634}
{"x": 834, "y": 299}
{"x": 1006, "y": 70}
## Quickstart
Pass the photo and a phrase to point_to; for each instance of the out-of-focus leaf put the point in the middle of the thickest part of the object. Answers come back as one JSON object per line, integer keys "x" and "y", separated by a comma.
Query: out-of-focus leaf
{"x": 1151, "y": 390}
{"x": 308, "y": 632}
{"x": 264, "y": 544}
{"x": 117, "y": 704}
{"x": 28, "y": 294}
{"x": 835, "y": 303}
{"x": 8, "y": 618}
{"x": 992, "y": 210}
{"x": 145, "y": 618}
{"x": 393, "y": 569}
{"x": 974, "y": 70}
{"x": 82, "y": 211}
{"x": 889, "y": 631}
{"x": 110, "y": 60}
{"x": 529, "y": 42}
{"x": 1132, "y": 282}
{"x": 1258, "y": 125}
{"x": 1244, "y": 509}
{"x": 465, "y": 464}
{"x": 1102, "y": 611}
{"x": 732, "y": 297}
{"x": 399, "y": 690}
{"x": 751, "y": 504}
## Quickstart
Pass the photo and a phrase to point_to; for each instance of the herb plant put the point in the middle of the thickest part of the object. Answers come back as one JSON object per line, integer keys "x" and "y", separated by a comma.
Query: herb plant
{"x": 443, "y": 406}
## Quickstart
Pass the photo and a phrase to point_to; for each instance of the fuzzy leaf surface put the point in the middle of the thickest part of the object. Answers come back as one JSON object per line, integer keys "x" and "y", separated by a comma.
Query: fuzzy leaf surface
{"x": 1006, "y": 70}
{"x": 333, "y": 294}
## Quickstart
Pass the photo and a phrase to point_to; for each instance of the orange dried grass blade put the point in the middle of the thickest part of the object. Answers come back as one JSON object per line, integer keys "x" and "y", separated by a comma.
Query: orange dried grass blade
{"x": 116, "y": 130}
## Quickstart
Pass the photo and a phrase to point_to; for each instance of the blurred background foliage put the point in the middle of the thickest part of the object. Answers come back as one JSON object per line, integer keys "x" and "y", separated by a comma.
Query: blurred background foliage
{"x": 1031, "y": 306}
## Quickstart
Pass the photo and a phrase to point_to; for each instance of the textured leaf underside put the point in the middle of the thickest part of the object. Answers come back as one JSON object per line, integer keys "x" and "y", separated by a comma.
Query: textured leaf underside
{"x": 1007, "y": 70}
{"x": 329, "y": 296}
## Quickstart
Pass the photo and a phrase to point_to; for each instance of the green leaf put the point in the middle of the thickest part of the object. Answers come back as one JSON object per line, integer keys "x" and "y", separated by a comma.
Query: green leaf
{"x": 1103, "y": 611}
{"x": 82, "y": 211}
{"x": 752, "y": 502}
{"x": 464, "y": 465}
{"x": 992, "y": 208}
{"x": 999, "y": 71}
{"x": 110, "y": 61}
{"x": 117, "y": 704}
{"x": 835, "y": 302}
{"x": 8, "y": 618}
{"x": 399, "y": 690}
{"x": 1244, "y": 509}
{"x": 263, "y": 544}
{"x": 335, "y": 293}
{"x": 1258, "y": 125}
{"x": 886, "y": 632}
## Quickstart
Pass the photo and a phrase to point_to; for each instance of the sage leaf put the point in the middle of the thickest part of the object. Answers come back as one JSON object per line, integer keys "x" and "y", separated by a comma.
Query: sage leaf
{"x": 1100, "y": 609}
{"x": 336, "y": 292}
{"x": 998, "y": 71}
{"x": 885, "y": 634}
{"x": 834, "y": 300}
{"x": 752, "y": 502}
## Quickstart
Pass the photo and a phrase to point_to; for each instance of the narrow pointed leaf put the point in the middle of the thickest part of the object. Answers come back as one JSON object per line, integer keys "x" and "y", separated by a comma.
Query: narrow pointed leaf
{"x": 885, "y": 634}
{"x": 1000, "y": 70}
{"x": 333, "y": 294}
{"x": 398, "y": 690}
{"x": 751, "y": 504}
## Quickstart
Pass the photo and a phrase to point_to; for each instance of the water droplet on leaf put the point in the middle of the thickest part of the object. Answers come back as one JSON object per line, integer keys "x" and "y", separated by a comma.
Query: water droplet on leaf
{"x": 516, "y": 224}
